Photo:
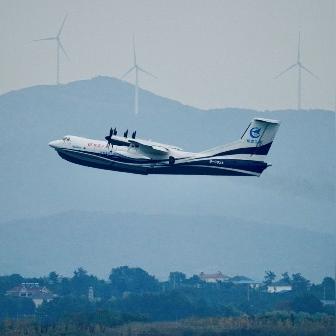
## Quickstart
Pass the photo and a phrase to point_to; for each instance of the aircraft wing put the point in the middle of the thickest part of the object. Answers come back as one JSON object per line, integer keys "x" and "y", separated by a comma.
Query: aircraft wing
{"x": 120, "y": 141}
{"x": 148, "y": 147}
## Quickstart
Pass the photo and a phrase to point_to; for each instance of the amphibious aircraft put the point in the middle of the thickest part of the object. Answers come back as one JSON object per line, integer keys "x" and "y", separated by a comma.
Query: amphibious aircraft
{"x": 244, "y": 157}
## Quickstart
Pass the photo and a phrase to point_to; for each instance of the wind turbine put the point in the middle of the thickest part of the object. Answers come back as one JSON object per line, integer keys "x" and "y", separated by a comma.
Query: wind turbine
{"x": 59, "y": 47}
{"x": 300, "y": 67}
{"x": 137, "y": 69}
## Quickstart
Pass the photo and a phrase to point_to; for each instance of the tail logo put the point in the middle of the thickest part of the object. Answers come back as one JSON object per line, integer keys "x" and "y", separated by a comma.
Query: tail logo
{"x": 255, "y": 132}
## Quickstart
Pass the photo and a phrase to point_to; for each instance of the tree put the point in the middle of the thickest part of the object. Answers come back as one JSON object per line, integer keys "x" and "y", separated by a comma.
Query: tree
{"x": 80, "y": 273}
{"x": 328, "y": 285}
{"x": 269, "y": 277}
{"x": 285, "y": 279}
{"x": 299, "y": 283}
{"x": 134, "y": 280}
{"x": 307, "y": 303}
{"x": 9, "y": 281}
{"x": 195, "y": 281}
{"x": 53, "y": 278}
{"x": 176, "y": 279}
{"x": 15, "y": 307}
{"x": 81, "y": 281}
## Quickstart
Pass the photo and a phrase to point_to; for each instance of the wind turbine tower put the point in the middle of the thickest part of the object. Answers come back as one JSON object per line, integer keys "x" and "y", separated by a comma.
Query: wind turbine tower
{"x": 137, "y": 69}
{"x": 299, "y": 67}
{"x": 59, "y": 47}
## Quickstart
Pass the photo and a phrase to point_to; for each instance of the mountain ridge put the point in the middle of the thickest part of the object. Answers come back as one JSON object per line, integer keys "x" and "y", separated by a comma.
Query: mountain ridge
{"x": 129, "y": 85}
{"x": 159, "y": 244}
{"x": 298, "y": 191}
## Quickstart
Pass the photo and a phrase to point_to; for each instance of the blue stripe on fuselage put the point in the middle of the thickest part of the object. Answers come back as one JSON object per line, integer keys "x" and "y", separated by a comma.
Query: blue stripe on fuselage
{"x": 248, "y": 165}
{"x": 259, "y": 150}
{"x": 212, "y": 166}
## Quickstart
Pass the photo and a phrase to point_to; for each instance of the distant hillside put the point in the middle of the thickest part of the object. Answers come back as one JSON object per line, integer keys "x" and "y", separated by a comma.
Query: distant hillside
{"x": 298, "y": 190}
{"x": 159, "y": 244}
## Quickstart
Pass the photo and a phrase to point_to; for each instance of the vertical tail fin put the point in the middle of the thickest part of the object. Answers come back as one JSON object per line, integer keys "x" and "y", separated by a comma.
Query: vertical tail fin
{"x": 259, "y": 136}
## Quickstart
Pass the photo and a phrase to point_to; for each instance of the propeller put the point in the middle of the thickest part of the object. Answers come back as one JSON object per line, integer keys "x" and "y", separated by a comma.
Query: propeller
{"x": 126, "y": 133}
{"x": 108, "y": 138}
{"x": 134, "y": 135}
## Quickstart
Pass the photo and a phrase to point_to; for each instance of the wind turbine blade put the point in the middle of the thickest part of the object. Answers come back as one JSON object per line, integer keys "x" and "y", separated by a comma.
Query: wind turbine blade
{"x": 127, "y": 72}
{"x": 289, "y": 68}
{"x": 60, "y": 30}
{"x": 45, "y": 39}
{"x": 304, "y": 68}
{"x": 146, "y": 72}
{"x": 64, "y": 52}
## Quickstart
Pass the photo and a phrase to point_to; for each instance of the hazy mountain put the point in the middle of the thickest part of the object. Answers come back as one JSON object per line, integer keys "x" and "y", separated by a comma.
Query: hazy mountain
{"x": 297, "y": 191}
{"x": 159, "y": 244}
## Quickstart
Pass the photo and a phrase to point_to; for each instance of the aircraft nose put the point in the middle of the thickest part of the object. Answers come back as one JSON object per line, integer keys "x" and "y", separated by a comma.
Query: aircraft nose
{"x": 54, "y": 144}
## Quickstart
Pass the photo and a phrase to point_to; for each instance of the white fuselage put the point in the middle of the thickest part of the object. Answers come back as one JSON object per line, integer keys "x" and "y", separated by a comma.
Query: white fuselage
{"x": 133, "y": 158}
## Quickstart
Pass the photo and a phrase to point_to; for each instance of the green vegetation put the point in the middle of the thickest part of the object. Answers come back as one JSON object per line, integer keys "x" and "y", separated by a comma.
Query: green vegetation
{"x": 275, "y": 324}
{"x": 132, "y": 301}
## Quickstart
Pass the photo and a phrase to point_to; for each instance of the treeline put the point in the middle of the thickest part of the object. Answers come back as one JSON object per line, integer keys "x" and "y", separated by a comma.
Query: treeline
{"x": 131, "y": 294}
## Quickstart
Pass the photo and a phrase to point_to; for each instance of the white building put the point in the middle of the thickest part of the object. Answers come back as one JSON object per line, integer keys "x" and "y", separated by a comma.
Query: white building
{"x": 278, "y": 288}
{"x": 214, "y": 278}
{"x": 32, "y": 291}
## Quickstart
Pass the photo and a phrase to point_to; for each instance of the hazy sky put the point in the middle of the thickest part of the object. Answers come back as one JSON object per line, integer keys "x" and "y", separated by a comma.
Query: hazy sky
{"x": 205, "y": 53}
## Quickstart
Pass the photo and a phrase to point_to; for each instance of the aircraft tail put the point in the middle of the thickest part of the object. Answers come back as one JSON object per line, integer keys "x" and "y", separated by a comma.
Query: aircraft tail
{"x": 255, "y": 141}
{"x": 258, "y": 137}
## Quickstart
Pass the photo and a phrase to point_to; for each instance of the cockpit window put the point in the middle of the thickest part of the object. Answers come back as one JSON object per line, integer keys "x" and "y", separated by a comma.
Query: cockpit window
{"x": 66, "y": 138}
